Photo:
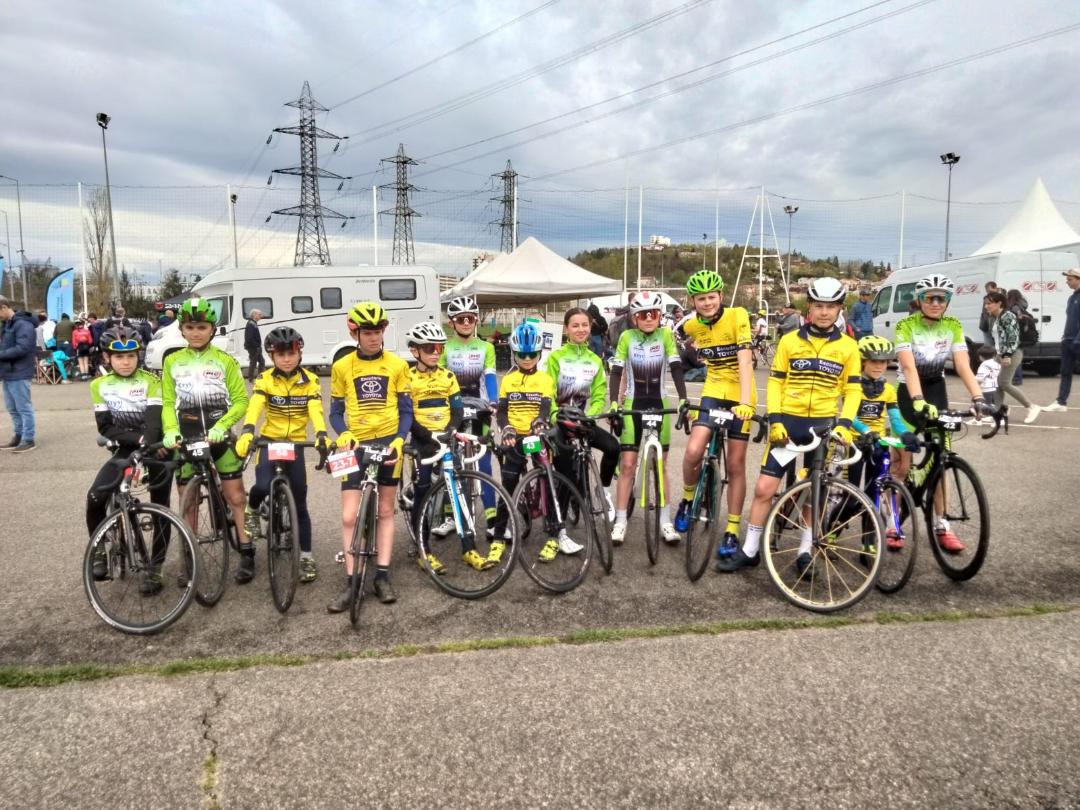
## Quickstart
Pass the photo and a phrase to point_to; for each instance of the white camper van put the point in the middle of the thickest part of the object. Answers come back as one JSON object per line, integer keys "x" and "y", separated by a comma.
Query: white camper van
{"x": 1038, "y": 276}
{"x": 312, "y": 300}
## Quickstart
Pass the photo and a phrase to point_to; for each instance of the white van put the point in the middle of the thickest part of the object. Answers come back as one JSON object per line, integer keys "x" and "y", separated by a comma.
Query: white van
{"x": 312, "y": 300}
{"x": 1038, "y": 276}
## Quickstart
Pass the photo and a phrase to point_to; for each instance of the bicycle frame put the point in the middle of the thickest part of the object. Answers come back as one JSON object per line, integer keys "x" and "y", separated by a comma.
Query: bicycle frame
{"x": 451, "y": 462}
{"x": 538, "y": 445}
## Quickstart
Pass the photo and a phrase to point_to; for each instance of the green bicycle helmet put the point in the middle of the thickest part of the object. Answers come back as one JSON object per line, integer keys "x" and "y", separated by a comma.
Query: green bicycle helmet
{"x": 873, "y": 347}
{"x": 367, "y": 314}
{"x": 197, "y": 310}
{"x": 704, "y": 281}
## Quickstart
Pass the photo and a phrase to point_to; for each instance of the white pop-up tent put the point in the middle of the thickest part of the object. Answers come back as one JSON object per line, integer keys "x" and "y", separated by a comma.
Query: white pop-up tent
{"x": 1038, "y": 225}
{"x": 533, "y": 274}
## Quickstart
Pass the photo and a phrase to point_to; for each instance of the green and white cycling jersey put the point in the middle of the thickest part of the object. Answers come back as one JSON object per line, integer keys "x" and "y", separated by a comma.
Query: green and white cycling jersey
{"x": 126, "y": 399}
{"x": 201, "y": 389}
{"x": 648, "y": 357}
{"x": 471, "y": 360}
{"x": 579, "y": 378}
{"x": 931, "y": 343}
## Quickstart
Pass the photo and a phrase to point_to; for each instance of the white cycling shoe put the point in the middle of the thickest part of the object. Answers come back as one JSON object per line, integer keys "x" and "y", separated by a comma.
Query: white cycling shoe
{"x": 670, "y": 533}
{"x": 618, "y": 533}
{"x": 568, "y": 546}
{"x": 443, "y": 528}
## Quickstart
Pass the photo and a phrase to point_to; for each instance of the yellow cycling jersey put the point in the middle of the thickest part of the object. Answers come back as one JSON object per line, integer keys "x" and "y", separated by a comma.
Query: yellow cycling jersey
{"x": 290, "y": 402}
{"x": 873, "y": 411}
{"x": 431, "y": 392}
{"x": 523, "y": 397}
{"x": 370, "y": 389}
{"x": 718, "y": 345}
{"x": 810, "y": 373}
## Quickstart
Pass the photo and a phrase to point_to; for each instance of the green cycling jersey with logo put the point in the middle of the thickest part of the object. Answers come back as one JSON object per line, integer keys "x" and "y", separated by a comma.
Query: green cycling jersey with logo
{"x": 930, "y": 342}
{"x": 201, "y": 389}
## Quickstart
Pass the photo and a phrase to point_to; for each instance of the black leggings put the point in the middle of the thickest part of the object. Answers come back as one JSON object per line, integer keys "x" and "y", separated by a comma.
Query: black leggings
{"x": 108, "y": 478}
{"x": 297, "y": 472}
{"x": 600, "y": 439}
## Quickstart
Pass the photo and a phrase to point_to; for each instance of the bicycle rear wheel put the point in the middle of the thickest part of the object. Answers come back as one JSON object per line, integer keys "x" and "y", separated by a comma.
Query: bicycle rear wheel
{"x": 842, "y": 554}
{"x": 900, "y": 517}
{"x": 473, "y": 529}
{"x": 601, "y": 517}
{"x": 206, "y": 516}
{"x": 968, "y": 516}
{"x": 706, "y": 518}
{"x": 651, "y": 508}
{"x": 362, "y": 550}
{"x": 136, "y": 589}
{"x": 283, "y": 545}
{"x": 566, "y": 570}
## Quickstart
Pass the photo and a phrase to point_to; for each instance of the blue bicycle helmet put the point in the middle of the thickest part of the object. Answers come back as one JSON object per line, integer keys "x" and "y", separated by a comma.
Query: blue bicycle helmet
{"x": 526, "y": 338}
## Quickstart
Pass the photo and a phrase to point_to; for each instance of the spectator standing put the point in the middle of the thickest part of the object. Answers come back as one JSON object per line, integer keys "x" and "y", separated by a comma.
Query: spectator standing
{"x": 119, "y": 318}
{"x": 621, "y": 322}
{"x": 986, "y": 325}
{"x": 987, "y": 376}
{"x": 17, "y": 353}
{"x": 598, "y": 327}
{"x": 62, "y": 334}
{"x": 1018, "y": 306}
{"x": 862, "y": 316}
{"x": 48, "y": 328}
{"x": 83, "y": 340}
{"x": 1070, "y": 341}
{"x": 253, "y": 345}
{"x": 165, "y": 318}
{"x": 1009, "y": 351}
{"x": 789, "y": 321}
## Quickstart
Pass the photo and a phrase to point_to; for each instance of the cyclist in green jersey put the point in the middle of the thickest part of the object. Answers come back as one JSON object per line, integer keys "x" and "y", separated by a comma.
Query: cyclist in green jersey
{"x": 203, "y": 396}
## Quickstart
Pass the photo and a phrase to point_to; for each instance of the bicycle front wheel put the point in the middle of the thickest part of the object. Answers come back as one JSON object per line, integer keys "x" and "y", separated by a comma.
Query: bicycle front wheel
{"x": 651, "y": 507}
{"x": 137, "y": 577}
{"x": 706, "y": 517}
{"x": 362, "y": 550}
{"x": 828, "y": 564}
{"x": 456, "y": 571}
{"x": 900, "y": 518}
{"x": 206, "y": 516}
{"x": 556, "y": 559}
{"x": 283, "y": 545}
{"x": 601, "y": 517}
{"x": 961, "y": 493}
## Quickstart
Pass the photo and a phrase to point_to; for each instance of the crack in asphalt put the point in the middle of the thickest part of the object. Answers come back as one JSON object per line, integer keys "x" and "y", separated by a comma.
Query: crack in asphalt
{"x": 209, "y": 781}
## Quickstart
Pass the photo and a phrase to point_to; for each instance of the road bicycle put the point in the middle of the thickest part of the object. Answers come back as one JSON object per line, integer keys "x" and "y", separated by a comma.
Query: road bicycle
{"x": 649, "y": 473}
{"x": 761, "y": 352}
{"x": 458, "y": 489}
{"x": 576, "y": 427}
{"x": 943, "y": 483}
{"x": 277, "y": 514}
{"x": 708, "y": 509}
{"x": 556, "y": 561}
{"x": 210, "y": 519}
{"x": 140, "y": 566}
{"x": 822, "y": 538}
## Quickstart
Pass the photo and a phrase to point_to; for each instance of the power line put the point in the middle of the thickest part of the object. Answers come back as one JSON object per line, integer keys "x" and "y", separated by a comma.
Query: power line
{"x": 821, "y": 101}
{"x": 438, "y": 110}
{"x": 442, "y": 56}
{"x": 675, "y": 90}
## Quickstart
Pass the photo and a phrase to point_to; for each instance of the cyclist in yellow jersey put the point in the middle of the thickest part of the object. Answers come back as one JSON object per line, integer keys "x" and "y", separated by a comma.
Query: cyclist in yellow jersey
{"x": 292, "y": 399}
{"x": 370, "y": 403}
{"x": 813, "y": 368}
{"x": 722, "y": 336}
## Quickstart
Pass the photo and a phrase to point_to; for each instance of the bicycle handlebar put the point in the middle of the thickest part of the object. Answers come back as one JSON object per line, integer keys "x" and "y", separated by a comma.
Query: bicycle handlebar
{"x": 323, "y": 448}
{"x": 467, "y": 438}
{"x": 686, "y": 425}
{"x": 856, "y": 453}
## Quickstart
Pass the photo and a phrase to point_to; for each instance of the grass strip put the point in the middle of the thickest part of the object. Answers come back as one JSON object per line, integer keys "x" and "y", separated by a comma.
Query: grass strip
{"x": 16, "y": 676}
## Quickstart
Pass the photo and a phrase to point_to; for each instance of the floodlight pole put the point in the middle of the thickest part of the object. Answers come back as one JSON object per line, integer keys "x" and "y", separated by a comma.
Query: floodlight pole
{"x": 790, "y": 211}
{"x": 950, "y": 159}
{"x": 103, "y": 122}
{"x": 22, "y": 248}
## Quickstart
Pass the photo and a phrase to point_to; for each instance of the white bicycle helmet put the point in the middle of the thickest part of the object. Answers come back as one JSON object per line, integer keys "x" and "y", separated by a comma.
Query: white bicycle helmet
{"x": 935, "y": 282}
{"x": 646, "y": 300}
{"x": 826, "y": 290}
{"x": 463, "y": 305}
{"x": 425, "y": 332}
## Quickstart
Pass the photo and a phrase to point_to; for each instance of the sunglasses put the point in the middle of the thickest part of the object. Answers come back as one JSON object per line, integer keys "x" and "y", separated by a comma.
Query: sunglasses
{"x": 124, "y": 345}
{"x": 527, "y": 355}
{"x": 935, "y": 299}
{"x": 650, "y": 314}
{"x": 464, "y": 319}
{"x": 431, "y": 348}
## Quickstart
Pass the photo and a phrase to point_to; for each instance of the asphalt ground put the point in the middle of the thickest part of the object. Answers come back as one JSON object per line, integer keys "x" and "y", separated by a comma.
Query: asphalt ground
{"x": 1031, "y": 476}
{"x": 963, "y": 714}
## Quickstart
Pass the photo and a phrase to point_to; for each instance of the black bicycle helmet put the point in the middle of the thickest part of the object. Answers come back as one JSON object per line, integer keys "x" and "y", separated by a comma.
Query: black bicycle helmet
{"x": 283, "y": 337}
{"x": 120, "y": 339}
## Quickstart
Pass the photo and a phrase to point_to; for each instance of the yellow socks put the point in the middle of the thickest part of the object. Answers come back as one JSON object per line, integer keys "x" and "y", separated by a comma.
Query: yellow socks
{"x": 733, "y": 524}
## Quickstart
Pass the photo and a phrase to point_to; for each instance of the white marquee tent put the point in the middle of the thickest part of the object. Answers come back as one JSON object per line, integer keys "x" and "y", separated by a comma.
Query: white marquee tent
{"x": 1038, "y": 225}
{"x": 533, "y": 274}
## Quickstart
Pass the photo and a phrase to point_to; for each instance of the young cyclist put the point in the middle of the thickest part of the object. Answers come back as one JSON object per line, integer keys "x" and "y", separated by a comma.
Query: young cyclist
{"x": 292, "y": 399}
{"x": 761, "y": 327}
{"x": 722, "y": 336}
{"x": 369, "y": 403}
{"x": 648, "y": 349}
{"x": 203, "y": 396}
{"x": 127, "y": 409}
{"x": 472, "y": 360}
{"x": 525, "y": 395}
{"x": 813, "y": 367}
{"x": 987, "y": 376}
{"x": 924, "y": 341}
{"x": 436, "y": 402}
{"x": 580, "y": 382}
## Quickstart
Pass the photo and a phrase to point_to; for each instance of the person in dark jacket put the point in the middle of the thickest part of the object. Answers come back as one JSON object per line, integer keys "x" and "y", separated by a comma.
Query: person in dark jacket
{"x": 253, "y": 345}
{"x": 598, "y": 327}
{"x": 18, "y": 343}
{"x": 1070, "y": 341}
{"x": 862, "y": 316}
{"x": 789, "y": 321}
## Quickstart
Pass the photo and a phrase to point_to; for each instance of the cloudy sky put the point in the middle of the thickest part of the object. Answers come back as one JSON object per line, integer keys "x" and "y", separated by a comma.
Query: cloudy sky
{"x": 194, "y": 88}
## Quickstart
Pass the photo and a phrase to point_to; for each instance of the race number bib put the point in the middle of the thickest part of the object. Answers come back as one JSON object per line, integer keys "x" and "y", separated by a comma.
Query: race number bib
{"x": 198, "y": 449}
{"x": 531, "y": 445}
{"x": 951, "y": 421}
{"x": 652, "y": 420}
{"x": 720, "y": 416}
{"x": 342, "y": 464}
{"x": 281, "y": 451}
